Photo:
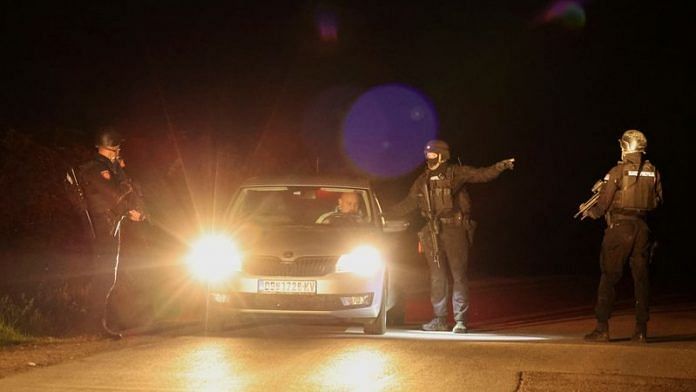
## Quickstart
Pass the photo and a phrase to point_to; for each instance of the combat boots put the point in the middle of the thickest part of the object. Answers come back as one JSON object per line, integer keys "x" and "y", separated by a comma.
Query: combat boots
{"x": 460, "y": 327}
{"x": 436, "y": 324}
{"x": 600, "y": 333}
{"x": 640, "y": 334}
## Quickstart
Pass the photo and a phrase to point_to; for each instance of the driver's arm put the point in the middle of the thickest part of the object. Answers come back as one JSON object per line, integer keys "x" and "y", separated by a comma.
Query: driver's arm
{"x": 324, "y": 218}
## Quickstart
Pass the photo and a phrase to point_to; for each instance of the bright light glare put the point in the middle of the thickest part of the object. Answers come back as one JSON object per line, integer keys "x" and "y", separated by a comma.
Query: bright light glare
{"x": 214, "y": 258}
{"x": 358, "y": 369}
{"x": 476, "y": 337}
{"x": 364, "y": 260}
{"x": 209, "y": 367}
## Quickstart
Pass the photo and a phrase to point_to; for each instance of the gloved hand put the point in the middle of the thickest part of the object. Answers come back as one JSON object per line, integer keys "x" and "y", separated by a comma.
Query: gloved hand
{"x": 136, "y": 216}
{"x": 507, "y": 164}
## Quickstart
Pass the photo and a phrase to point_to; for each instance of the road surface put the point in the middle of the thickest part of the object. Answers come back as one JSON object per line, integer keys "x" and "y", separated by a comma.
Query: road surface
{"x": 542, "y": 356}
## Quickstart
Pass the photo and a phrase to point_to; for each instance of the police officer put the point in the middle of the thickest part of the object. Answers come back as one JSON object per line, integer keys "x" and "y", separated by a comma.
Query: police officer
{"x": 632, "y": 189}
{"x": 450, "y": 214}
{"x": 111, "y": 198}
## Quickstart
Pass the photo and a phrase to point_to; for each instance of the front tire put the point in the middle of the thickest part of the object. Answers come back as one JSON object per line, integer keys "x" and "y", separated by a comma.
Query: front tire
{"x": 213, "y": 322}
{"x": 379, "y": 325}
{"x": 396, "y": 316}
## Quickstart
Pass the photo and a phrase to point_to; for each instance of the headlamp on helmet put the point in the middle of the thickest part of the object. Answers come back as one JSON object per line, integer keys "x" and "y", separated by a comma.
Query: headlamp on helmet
{"x": 438, "y": 147}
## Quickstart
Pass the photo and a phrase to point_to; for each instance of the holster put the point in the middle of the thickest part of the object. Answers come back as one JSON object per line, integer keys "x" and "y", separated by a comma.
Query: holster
{"x": 424, "y": 238}
{"x": 421, "y": 241}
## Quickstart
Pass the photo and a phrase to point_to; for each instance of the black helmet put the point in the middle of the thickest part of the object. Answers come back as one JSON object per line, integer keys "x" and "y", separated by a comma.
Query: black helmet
{"x": 438, "y": 146}
{"x": 108, "y": 137}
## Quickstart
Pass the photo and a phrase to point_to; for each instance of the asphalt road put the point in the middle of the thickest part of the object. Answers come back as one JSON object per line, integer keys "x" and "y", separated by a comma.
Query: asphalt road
{"x": 330, "y": 358}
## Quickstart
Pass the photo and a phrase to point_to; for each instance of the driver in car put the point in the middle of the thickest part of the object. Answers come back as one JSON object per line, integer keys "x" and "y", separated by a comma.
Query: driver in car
{"x": 347, "y": 211}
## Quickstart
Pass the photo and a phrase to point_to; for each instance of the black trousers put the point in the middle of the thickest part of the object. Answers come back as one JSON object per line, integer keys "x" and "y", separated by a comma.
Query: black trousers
{"x": 454, "y": 245}
{"x": 105, "y": 248}
{"x": 627, "y": 239}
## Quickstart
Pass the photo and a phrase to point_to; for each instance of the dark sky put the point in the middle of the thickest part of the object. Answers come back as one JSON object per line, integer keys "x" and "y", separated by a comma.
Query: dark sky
{"x": 555, "y": 93}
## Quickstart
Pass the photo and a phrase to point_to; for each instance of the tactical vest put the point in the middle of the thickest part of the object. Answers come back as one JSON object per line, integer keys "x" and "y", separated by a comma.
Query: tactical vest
{"x": 441, "y": 190}
{"x": 637, "y": 187}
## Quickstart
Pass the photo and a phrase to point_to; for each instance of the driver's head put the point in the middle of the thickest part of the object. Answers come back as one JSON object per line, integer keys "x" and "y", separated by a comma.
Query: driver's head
{"x": 348, "y": 203}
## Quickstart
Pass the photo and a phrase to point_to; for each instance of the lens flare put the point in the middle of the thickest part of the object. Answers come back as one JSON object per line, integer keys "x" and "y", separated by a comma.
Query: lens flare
{"x": 386, "y": 129}
{"x": 327, "y": 25}
{"x": 569, "y": 14}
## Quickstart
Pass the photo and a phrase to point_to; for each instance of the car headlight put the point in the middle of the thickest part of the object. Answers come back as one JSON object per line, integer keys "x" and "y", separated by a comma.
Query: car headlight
{"x": 214, "y": 258}
{"x": 364, "y": 261}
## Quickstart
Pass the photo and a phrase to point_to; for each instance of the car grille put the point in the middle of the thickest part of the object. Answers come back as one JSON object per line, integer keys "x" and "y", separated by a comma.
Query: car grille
{"x": 303, "y": 266}
{"x": 324, "y": 302}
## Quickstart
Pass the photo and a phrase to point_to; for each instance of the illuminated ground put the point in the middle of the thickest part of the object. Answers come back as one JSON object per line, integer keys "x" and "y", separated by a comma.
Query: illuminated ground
{"x": 541, "y": 356}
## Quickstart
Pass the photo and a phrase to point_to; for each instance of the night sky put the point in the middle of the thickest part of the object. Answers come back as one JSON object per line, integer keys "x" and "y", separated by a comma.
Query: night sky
{"x": 553, "y": 84}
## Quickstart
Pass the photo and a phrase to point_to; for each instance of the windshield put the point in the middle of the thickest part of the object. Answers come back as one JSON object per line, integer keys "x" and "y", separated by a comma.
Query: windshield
{"x": 303, "y": 205}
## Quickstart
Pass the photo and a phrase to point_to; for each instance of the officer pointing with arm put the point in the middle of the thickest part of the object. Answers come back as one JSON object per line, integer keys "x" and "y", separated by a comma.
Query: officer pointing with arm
{"x": 449, "y": 211}
{"x": 632, "y": 190}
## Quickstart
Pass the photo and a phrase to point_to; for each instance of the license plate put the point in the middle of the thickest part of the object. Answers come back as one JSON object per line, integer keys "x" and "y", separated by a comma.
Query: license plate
{"x": 288, "y": 286}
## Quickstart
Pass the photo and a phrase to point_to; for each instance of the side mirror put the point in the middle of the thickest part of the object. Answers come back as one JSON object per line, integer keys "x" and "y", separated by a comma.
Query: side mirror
{"x": 395, "y": 226}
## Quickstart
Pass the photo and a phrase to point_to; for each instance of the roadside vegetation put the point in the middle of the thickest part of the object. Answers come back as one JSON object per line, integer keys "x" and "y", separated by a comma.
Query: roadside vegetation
{"x": 9, "y": 335}
{"x": 46, "y": 310}
{"x": 16, "y": 319}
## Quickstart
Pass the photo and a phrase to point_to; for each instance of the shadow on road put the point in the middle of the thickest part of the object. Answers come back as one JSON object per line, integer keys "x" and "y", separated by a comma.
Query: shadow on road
{"x": 672, "y": 338}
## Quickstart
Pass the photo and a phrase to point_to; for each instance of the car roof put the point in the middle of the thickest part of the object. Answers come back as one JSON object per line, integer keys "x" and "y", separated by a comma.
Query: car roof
{"x": 337, "y": 181}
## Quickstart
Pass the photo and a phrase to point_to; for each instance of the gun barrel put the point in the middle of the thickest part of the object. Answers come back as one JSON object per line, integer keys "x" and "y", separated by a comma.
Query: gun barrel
{"x": 587, "y": 205}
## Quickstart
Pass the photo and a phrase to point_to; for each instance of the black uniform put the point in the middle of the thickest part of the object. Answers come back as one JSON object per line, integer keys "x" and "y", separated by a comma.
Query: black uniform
{"x": 110, "y": 194}
{"x": 631, "y": 191}
{"x": 451, "y": 204}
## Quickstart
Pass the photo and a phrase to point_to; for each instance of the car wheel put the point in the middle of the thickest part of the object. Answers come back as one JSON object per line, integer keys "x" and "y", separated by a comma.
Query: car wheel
{"x": 214, "y": 321}
{"x": 379, "y": 325}
{"x": 397, "y": 314}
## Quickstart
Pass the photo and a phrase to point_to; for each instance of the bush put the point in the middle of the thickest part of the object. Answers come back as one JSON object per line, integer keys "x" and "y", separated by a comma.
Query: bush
{"x": 19, "y": 316}
{"x": 9, "y": 335}
{"x": 51, "y": 309}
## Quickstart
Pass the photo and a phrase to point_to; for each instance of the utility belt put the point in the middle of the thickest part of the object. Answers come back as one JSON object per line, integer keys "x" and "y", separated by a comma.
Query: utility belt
{"x": 454, "y": 219}
{"x": 613, "y": 218}
{"x": 458, "y": 219}
{"x": 627, "y": 215}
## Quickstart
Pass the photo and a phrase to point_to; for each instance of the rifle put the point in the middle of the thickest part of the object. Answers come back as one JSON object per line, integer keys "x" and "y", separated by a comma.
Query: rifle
{"x": 433, "y": 227}
{"x": 131, "y": 198}
{"x": 584, "y": 207}
{"x": 71, "y": 177}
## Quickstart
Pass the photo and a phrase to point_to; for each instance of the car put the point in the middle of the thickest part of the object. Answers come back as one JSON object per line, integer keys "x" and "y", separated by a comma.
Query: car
{"x": 291, "y": 253}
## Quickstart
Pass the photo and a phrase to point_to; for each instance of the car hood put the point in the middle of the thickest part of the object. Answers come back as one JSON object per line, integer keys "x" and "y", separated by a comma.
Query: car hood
{"x": 292, "y": 242}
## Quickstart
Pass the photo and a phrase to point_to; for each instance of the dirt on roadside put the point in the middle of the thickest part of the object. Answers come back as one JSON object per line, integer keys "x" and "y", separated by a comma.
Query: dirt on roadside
{"x": 50, "y": 351}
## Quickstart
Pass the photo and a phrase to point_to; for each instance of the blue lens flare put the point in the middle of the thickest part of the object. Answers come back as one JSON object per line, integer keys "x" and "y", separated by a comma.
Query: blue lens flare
{"x": 386, "y": 128}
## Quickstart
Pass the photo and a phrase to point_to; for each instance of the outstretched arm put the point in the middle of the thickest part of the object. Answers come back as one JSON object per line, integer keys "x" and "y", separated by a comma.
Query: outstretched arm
{"x": 467, "y": 174}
